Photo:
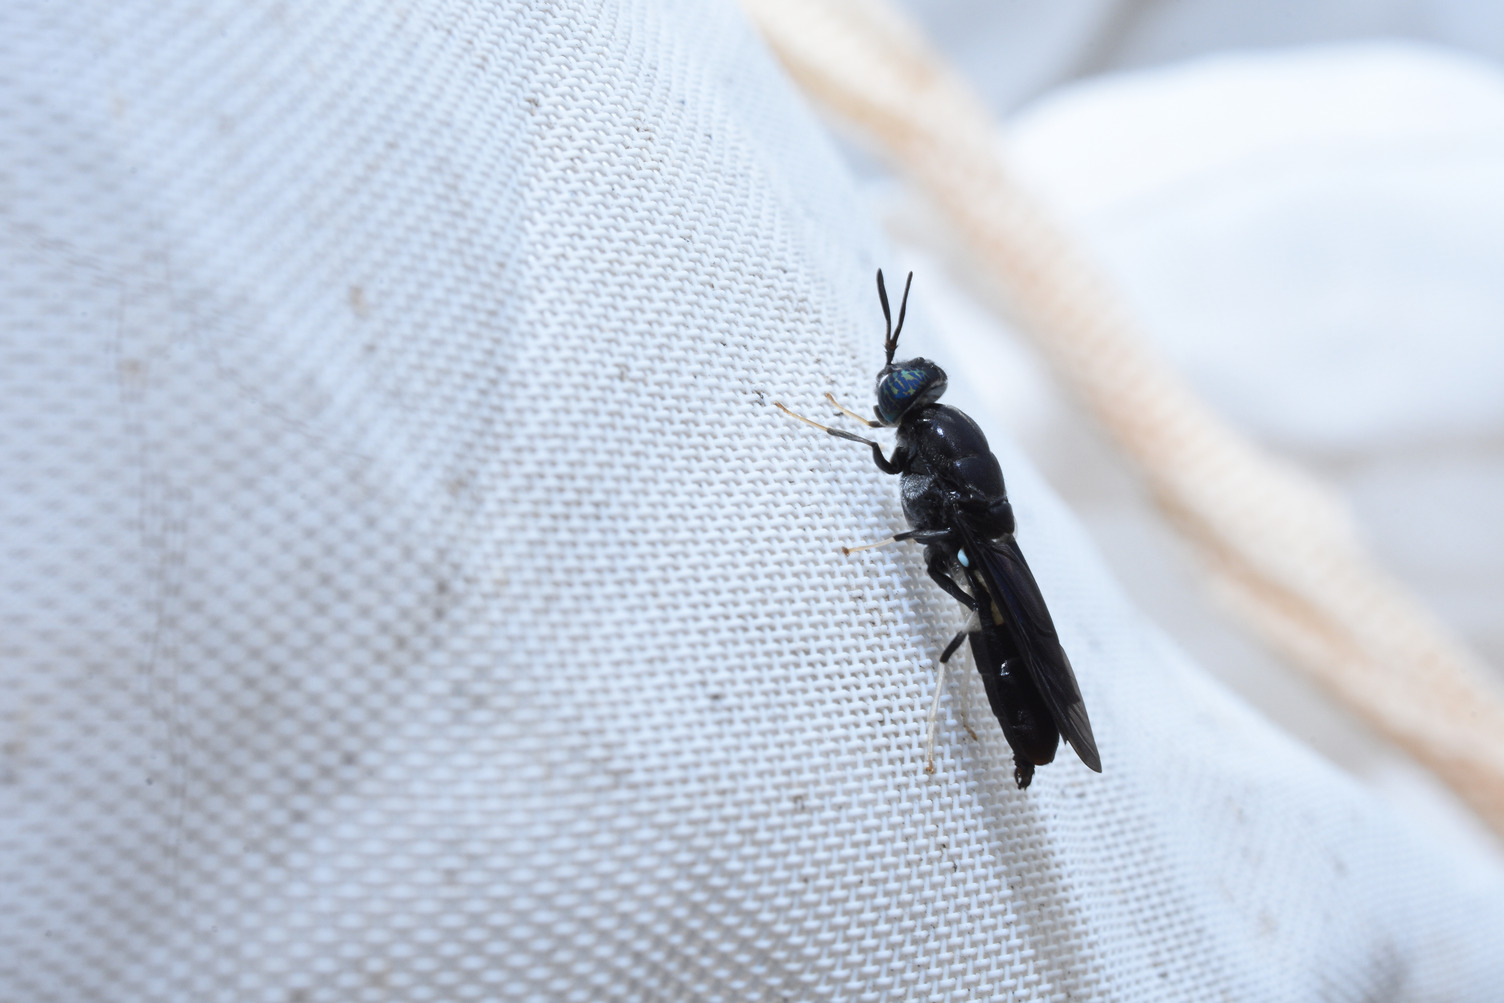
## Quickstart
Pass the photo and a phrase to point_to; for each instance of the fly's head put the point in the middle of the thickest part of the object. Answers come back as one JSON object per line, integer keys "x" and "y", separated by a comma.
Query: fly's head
{"x": 912, "y": 383}
{"x": 904, "y": 386}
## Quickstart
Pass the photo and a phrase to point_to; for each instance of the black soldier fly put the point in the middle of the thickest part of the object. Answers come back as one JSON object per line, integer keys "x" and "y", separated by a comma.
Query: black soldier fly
{"x": 955, "y": 500}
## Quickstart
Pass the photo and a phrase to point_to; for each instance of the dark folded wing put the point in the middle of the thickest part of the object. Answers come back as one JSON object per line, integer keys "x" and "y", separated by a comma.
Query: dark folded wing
{"x": 1013, "y": 587}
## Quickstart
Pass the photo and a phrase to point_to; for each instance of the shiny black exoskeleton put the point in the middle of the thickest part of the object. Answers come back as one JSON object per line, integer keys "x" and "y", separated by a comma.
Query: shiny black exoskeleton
{"x": 957, "y": 505}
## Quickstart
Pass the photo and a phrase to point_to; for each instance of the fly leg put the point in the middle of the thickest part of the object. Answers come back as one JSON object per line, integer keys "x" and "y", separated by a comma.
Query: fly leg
{"x": 934, "y": 718}
{"x": 935, "y": 561}
{"x": 896, "y": 465}
{"x": 847, "y": 411}
{"x": 909, "y": 534}
{"x": 955, "y": 642}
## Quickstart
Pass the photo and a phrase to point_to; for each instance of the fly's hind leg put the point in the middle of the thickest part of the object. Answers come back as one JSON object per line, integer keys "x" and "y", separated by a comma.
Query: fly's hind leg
{"x": 934, "y": 718}
{"x": 950, "y": 649}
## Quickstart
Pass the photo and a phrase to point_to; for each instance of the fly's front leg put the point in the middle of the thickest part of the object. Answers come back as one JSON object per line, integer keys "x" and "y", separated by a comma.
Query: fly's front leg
{"x": 896, "y": 465}
{"x": 850, "y": 413}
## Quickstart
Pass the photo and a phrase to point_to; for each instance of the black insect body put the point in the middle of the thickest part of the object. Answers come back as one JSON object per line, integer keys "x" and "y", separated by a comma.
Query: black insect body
{"x": 957, "y": 505}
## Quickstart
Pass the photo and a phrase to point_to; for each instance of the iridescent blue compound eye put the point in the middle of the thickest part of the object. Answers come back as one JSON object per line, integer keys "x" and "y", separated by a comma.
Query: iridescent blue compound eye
{"x": 908, "y": 385}
{"x": 897, "y": 389}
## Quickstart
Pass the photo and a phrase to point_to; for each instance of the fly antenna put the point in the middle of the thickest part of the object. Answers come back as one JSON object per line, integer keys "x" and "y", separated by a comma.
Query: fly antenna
{"x": 890, "y": 341}
{"x": 902, "y": 309}
{"x": 889, "y": 344}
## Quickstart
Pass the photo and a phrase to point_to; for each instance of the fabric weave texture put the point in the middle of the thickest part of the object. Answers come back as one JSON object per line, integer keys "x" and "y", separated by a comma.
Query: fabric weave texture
{"x": 408, "y": 591}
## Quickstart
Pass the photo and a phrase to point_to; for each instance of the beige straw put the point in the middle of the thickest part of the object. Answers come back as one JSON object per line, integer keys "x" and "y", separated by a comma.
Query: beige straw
{"x": 1278, "y": 543}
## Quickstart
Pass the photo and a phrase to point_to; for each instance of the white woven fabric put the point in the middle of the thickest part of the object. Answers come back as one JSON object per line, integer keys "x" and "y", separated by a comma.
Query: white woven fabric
{"x": 408, "y": 592}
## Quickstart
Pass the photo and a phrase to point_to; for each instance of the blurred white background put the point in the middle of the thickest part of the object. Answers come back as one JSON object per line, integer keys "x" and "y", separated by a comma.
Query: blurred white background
{"x": 1303, "y": 203}
{"x": 1013, "y": 51}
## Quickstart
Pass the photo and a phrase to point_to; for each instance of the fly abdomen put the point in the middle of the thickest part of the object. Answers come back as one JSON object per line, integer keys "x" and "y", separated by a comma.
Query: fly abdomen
{"x": 1022, "y": 712}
